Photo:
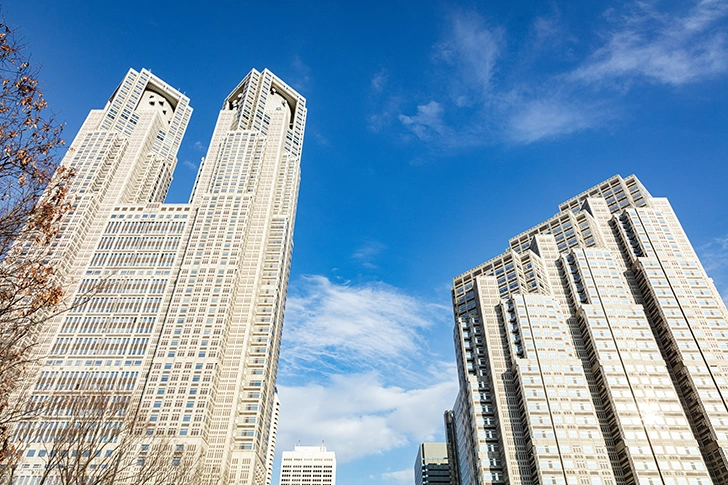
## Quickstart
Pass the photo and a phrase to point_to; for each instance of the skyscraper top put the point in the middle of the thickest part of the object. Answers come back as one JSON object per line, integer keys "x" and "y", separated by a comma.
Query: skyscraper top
{"x": 618, "y": 192}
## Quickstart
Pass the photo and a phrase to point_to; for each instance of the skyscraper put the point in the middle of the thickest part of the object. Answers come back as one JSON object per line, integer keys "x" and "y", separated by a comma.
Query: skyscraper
{"x": 431, "y": 465}
{"x": 185, "y": 311}
{"x": 593, "y": 351}
{"x": 308, "y": 465}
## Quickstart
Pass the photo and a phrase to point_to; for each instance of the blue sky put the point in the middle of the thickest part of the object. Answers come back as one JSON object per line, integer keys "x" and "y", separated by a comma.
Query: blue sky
{"x": 436, "y": 131}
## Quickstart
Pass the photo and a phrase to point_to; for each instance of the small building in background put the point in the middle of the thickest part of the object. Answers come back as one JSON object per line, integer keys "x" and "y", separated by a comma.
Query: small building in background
{"x": 308, "y": 465}
{"x": 431, "y": 467}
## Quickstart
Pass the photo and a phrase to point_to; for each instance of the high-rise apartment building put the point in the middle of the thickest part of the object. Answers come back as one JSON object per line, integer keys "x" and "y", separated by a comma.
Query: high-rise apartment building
{"x": 178, "y": 307}
{"x": 431, "y": 465}
{"x": 308, "y": 465}
{"x": 594, "y": 351}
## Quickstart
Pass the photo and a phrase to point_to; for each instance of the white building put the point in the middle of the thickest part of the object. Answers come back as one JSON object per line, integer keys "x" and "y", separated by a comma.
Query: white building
{"x": 308, "y": 465}
{"x": 593, "y": 351}
{"x": 432, "y": 466}
{"x": 186, "y": 315}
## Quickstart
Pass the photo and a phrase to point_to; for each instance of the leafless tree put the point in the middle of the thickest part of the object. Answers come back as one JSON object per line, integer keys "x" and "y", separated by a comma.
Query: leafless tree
{"x": 33, "y": 201}
{"x": 99, "y": 439}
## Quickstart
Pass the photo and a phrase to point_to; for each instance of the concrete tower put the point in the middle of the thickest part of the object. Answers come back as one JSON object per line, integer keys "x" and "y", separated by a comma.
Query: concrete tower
{"x": 594, "y": 351}
{"x": 186, "y": 311}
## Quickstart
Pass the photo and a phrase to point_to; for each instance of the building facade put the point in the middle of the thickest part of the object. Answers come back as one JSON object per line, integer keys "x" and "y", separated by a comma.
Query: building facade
{"x": 272, "y": 438}
{"x": 594, "y": 351}
{"x": 308, "y": 465}
{"x": 431, "y": 465}
{"x": 178, "y": 308}
{"x": 451, "y": 443}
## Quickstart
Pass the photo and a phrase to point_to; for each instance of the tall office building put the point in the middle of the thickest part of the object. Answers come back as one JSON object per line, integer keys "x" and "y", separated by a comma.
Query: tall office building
{"x": 431, "y": 465}
{"x": 178, "y": 307}
{"x": 308, "y": 465}
{"x": 594, "y": 351}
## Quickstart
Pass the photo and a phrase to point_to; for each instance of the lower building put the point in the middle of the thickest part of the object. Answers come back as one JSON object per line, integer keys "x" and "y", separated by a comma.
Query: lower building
{"x": 594, "y": 351}
{"x": 308, "y": 465}
{"x": 431, "y": 467}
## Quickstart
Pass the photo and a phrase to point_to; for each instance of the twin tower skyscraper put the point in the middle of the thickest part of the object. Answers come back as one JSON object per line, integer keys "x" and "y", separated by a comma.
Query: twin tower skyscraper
{"x": 179, "y": 307}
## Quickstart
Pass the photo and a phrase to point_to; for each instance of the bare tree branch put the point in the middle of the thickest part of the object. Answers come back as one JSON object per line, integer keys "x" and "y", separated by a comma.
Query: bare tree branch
{"x": 98, "y": 438}
{"x": 33, "y": 202}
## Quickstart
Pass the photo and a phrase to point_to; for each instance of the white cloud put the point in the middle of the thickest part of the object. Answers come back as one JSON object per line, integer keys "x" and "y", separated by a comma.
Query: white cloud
{"x": 320, "y": 139}
{"x": 546, "y": 29}
{"x": 189, "y": 165}
{"x": 402, "y": 476}
{"x": 549, "y": 34}
{"x": 484, "y": 93}
{"x": 379, "y": 80}
{"x": 302, "y": 74}
{"x": 357, "y": 415}
{"x": 428, "y": 120}
{"x": 389, "y": 110}
{"x": 548, "y": 118}
{"x": 467, "y": 57}
{"x": 356, "y": 370}
{"x": 714, "y": 256}
{"x": 472, "y": 49}
{"x": 367, "y": 252}
{"x": 663, "y": 48}
{"x": 332, "y": 327}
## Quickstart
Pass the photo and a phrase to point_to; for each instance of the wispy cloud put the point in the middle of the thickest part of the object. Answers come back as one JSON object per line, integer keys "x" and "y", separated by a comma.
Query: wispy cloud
{"x": 358, "y": 415}
{"x": 199, "y": 147}
{"x": 388, "y": 111}
{"x": 333, "y": 328}
{"x": 714, "y": 256}
{"x": 545, "y": 29}
{"x": 402, "y": 476}
{"x": 302, "y": 74}
{"x": 320, "y": 139}
{"x": 549, "y": 34}
{"x": 662, "y": 48}
{"x": 472, "y": 48}
{"x": 356, "y": 370}
{"x": 189, "y": 165}
{"x": 379, "y": 80}
{"x": 427, "y": 121}
{"x": 368, "y": 252}
{"x": 487, "y": 90}
{"x": 546, "y": 118}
